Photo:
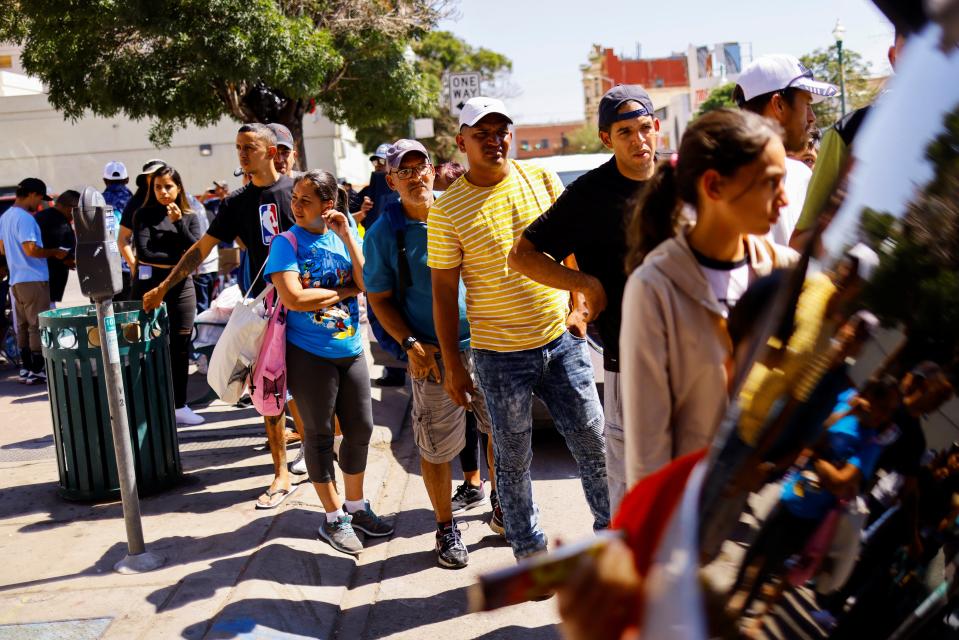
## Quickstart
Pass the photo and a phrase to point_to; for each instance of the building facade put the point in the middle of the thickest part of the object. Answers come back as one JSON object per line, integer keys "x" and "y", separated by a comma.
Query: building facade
{"x": 677, "y": 84}
{"x": 541, "y": 140}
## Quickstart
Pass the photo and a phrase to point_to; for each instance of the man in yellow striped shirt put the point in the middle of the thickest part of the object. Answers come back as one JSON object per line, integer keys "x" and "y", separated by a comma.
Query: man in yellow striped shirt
{"x": 520, "y": 341}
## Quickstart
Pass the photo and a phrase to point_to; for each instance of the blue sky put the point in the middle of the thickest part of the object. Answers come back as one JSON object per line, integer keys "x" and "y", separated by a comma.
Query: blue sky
{"x": 547, "y": 41}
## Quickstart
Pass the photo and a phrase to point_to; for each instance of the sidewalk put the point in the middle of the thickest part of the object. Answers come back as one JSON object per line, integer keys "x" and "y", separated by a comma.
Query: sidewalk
{"x": 235, "y": 572}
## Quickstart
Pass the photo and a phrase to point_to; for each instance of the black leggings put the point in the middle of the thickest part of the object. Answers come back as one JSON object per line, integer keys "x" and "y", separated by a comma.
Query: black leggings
{"x": 323, "y": 387}
{"x": 475, "y": 448}
{"x": 181, "y": 309}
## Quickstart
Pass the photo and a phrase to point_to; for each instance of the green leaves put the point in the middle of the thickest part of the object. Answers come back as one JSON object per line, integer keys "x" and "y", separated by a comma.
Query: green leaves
{"x": 193, "y": 61}
{"x": 824, "y": 63}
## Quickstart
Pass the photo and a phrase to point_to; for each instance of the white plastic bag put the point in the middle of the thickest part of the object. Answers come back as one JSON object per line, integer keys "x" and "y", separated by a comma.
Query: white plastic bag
{"x": 237, "y": 348}
{"x": 841, "y": 559}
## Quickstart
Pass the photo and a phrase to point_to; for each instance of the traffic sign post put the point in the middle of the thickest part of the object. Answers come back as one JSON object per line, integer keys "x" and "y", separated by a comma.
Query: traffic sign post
{"x": 462, "y": 87}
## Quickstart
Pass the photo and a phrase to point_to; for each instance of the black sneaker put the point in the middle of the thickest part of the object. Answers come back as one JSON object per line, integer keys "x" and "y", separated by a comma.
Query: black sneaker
{"x": 496, "y": 519}
{"x": 450, "y": 550}
{"x": 392, "y": 377}
{"x": 35, "y": 377}
{"x": 468, "y": 497}
{"x": 370, "y": 523}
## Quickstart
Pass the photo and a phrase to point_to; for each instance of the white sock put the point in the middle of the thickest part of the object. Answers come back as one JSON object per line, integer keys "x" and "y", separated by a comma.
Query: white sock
{"x": 354, "y": 505}
{"x": 331, "y": 516}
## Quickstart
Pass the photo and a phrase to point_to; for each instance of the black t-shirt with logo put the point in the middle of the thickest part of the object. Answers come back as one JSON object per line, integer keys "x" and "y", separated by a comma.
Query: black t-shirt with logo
{"x": 255, "y": 215}
{"x": 589, "y": 221}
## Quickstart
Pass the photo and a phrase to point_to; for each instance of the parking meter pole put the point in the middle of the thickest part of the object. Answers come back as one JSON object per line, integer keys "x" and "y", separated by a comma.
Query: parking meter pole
{"x": 98, "y": 265}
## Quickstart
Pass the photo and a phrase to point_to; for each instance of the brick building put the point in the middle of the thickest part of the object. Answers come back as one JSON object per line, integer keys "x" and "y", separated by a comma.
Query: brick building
{"x": 541, "y": 140}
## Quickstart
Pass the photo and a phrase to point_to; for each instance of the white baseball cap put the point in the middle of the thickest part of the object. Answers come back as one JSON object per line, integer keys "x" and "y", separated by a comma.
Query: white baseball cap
{"x": 477, "y": 108}
{"x": 115, "y": 170}
{"x": 779, "y": 71}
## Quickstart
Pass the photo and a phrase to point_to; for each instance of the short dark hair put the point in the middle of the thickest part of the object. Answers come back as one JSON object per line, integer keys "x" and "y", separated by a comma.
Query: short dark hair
{"x": 758, "y": 103}
{"x": 261, "y": 131}
{"x": 69, "y": 198}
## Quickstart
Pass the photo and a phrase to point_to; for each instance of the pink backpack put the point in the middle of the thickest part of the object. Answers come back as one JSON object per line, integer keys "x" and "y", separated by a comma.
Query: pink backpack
{"x": 268, "y": 380}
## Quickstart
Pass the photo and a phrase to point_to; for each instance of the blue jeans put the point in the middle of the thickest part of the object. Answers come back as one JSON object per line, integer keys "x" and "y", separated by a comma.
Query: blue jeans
{"x": 559, "y": 373}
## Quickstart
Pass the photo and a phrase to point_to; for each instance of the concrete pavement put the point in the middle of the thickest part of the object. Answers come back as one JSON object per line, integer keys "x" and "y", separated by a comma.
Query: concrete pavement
{"x": 235, "y": 572}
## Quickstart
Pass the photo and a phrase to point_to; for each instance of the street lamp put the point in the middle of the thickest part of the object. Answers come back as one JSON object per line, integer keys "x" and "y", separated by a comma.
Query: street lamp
{"x": 837, "y": 33}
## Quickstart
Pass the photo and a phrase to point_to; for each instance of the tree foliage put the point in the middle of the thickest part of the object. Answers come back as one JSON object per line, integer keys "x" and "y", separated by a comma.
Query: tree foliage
{"x": 194, "y": 61}
{"x": 721, "y": 96}
{"x": 438, "y": 52}
{"x": 585, "y": 140}
{"x": 824, "y": 63}
{"x": 917, "y": 282}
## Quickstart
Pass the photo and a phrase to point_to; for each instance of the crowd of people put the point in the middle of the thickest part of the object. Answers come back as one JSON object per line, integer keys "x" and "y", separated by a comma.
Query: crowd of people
{"x": 487, "y": 291}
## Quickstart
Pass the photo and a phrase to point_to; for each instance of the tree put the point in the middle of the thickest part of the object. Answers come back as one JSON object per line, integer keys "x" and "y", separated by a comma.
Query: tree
{"x": 439, "y": 52}
{"x": 194, "y": 61}
{"x": 586, "y": 140}
{"x": 721, "y": 96}
{"x": 916, "y": 284}
{"x": 824, "y": 63}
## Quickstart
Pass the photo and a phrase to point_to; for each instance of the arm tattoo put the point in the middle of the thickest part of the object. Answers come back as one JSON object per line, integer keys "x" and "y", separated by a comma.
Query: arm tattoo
{"x": 187, "y": 265}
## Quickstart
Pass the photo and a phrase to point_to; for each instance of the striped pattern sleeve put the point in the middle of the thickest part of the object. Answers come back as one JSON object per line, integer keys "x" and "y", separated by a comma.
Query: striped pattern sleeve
{"x": 444, "y": 250}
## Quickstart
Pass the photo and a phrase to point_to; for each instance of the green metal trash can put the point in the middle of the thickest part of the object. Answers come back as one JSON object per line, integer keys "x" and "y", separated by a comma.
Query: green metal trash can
{"x": 81, "y": 411}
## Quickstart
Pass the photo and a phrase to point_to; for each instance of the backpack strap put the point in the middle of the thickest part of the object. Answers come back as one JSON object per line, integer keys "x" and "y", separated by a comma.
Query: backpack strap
{"x": 397, "y": 219}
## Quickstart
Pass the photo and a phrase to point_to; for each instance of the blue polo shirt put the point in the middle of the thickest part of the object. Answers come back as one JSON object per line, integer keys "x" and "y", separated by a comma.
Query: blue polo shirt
{"x": 381, "y": 273}
{"x": 16, "y": 227}
{"x": 322, "y": 261}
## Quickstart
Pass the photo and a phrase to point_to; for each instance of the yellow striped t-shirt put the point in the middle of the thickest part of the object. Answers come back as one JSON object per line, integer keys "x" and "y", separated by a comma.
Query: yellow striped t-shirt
{"x": 474, "y": 228}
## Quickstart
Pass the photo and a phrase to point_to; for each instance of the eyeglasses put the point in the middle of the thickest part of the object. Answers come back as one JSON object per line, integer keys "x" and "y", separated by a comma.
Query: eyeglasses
{"x": 418, "y": 170}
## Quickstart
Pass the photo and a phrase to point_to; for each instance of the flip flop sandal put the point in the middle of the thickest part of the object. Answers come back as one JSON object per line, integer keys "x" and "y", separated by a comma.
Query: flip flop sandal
{"x": 275, "y": 498}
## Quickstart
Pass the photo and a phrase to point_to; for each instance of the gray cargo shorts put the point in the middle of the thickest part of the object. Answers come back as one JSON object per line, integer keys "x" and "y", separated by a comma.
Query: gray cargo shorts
{"x": 439, "y": 424}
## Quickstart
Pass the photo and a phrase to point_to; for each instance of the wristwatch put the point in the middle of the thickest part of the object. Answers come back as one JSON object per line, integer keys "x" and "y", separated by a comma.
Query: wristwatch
{"x": 408, "y": 342}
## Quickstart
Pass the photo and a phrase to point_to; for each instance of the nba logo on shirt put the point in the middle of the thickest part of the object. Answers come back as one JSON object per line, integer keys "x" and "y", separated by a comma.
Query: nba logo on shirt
{"x": 269, "y": 222}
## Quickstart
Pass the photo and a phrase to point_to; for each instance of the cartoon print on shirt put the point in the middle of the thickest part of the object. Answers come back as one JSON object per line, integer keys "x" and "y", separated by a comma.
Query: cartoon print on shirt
{"x": 328, "y": 270}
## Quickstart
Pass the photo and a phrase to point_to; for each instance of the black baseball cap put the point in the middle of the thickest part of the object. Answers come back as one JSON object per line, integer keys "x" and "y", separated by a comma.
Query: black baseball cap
{"x": 613, "y": 99}
{"x": 35, "y": 185}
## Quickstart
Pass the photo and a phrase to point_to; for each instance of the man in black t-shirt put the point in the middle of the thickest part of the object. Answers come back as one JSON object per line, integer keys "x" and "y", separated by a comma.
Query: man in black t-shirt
{"x": 57, "y": 233}
{"x": 254, "y": 214}
{"x": 588, "y": 222}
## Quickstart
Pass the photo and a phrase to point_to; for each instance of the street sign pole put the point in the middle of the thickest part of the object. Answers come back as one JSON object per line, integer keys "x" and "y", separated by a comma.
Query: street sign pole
{"x": 462, "y": 87}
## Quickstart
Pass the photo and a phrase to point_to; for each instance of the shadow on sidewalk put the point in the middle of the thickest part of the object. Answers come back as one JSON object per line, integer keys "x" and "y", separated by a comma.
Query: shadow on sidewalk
{"x": 266, "y": 618}
{"x": 545, "y": 632}
{"x": 192, "y": 495}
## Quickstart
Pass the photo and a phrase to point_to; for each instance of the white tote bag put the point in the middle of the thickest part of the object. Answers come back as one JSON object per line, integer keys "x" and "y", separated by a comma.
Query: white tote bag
{"x": 237, "y": 348}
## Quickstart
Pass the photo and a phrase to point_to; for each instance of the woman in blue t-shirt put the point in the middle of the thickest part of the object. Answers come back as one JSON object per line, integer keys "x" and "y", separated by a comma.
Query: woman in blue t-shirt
{"x": 326, "y": 367}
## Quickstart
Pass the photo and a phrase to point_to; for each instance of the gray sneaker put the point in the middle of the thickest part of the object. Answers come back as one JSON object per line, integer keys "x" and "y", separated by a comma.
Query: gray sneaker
{"x": 341, "y": 536}
{"x": 467, "y": 497}
{"x": 370, "y": 523}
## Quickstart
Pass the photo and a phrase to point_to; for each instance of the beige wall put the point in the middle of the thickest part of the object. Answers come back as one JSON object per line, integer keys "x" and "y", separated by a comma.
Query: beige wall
{"x": 38, "y": 142}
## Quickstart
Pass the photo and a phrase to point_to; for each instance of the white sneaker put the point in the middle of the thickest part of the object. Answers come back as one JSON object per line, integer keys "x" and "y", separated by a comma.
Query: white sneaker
{"x": 298, "y": 466}
{"x": 186, "y": 415}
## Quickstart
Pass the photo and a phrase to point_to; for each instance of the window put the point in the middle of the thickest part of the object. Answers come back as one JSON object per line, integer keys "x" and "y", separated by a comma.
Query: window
{"x": 544, "y": 144}
{"x": 524, "y": 145}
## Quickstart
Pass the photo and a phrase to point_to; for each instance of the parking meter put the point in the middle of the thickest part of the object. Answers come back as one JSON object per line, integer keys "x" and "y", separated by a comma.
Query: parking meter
{"x": 98, "y": 265}
{"x": 98, "y": 255}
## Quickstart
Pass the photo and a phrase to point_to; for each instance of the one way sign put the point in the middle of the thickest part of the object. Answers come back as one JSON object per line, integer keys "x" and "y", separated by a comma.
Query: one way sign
{"x": 462, "y": 87}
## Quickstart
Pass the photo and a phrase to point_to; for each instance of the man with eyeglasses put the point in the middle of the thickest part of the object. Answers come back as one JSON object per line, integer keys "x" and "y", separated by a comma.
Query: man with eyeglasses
{"x": 780, "y": 88}
{"x": 399, "y": 288}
